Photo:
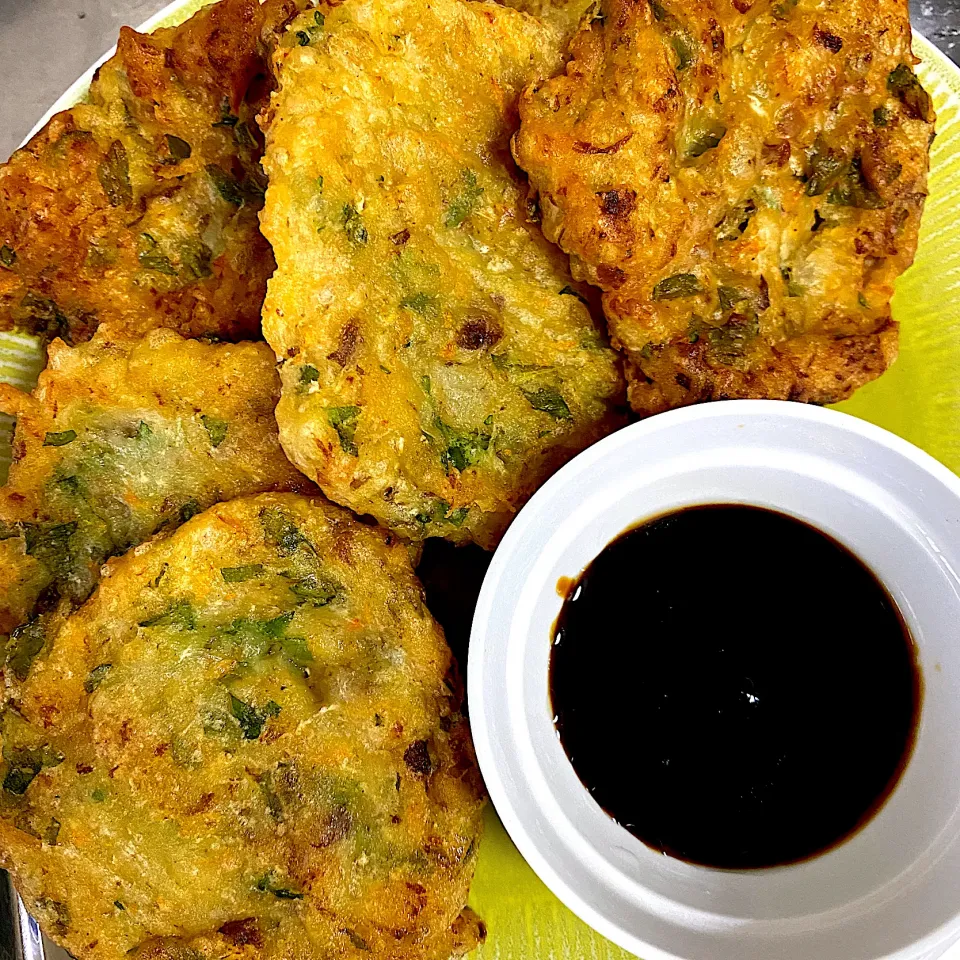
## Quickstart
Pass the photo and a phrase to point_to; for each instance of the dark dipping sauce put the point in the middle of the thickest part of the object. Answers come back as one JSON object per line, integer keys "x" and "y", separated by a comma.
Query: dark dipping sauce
{"x": 734, "y": 687}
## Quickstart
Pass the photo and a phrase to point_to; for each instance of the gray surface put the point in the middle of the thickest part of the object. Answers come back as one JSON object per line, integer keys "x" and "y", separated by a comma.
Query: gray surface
{"x": 46, "y": 44}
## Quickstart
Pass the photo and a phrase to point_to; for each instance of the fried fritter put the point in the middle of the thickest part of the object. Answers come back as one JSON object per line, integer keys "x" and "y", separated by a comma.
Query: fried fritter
{"x": 439, "y": 363}
{"x": 139, "y": 207}
{"x": 244, "y": 746}
{"x": 123, "y": 439}
{"x": 744, "y": 179}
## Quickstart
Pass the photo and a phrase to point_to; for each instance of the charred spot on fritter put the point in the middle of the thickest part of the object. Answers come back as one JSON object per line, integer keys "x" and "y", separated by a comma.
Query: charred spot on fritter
{"x": 479, "y": 330}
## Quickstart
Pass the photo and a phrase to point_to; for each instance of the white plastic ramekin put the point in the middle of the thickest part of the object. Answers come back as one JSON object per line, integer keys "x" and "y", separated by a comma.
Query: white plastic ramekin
{"x": 892, "y": 890}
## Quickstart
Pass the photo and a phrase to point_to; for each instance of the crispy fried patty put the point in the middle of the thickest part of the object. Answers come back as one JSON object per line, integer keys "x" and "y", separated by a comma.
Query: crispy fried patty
{"x": 247, "y": 744}
{"x": 124, "y": 438}
{"x": 438, "y": 361}
{"x": 744, "y": 181}
{"x": 139, "y": 206}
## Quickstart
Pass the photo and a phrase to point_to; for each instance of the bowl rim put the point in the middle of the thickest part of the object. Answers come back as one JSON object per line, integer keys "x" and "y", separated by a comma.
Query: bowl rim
{"x": 791, "y": 415}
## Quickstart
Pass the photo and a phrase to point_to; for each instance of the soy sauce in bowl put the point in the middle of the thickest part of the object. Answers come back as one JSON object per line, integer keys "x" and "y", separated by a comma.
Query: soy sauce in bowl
{"x": 734, "y": 687}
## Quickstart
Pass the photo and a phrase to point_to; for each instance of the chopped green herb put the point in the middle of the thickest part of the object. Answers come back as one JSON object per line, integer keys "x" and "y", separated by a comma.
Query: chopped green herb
{"x": 119, "y": 905}
{"x": 304, "y": 37}
{"x": 881, "y": 116}
{"x": 98, "y": 795}
{"x": 548, "y": 400}
{"x": 678, "y": 285}
{"x": 502, "y": 362}
{"x": 726, "y": 343}
{"x": 421, "y": 303}
{"x": 277, "y": 626}
{"x": 730, "y": 296}
{"x": 189, "y": 510}
{"x": 59, "y": 439}
{"x": 320, "y": 184}
{"x": 8, "y": 256}
{"x": 266, "y": 884}
{"x": 456, "y": 517}
{"x": 70, "y": 484}
{"x": 296, "y": 650}
{"x": 45, "y": 316}
{"x": 425, "y": 385}
{"x": 217, "y": 429}
{"x": 179, "y": 149}
{"x": 257, "y": 636}
{"x": 180, "y": 616}
{"x": 462, "y": 449}
{"x": 862, "y": 300}
{"x": 25, "y": 642}
{"x": 114, "y": 175}
{"x": 163, "y": 571}
{"x": 853, "y": 190}
{"x": 353, "y": 225}
{"x": 25, "y": 764}
{"x": 308, "y": 375}
{"x": 251, "y": 719}
{"x": 904, "y": 85}
{"x": 226, "y": 185}
{"x": 280, "y": 531}
{"x": 568, "y": 291}
{"x": 239, "y": 574}
{"x": 736, "y": 220}
{"x": 320, "y": 591}
{"x": 435, "y": 511}
{"x": 195, "y": 259}
{"x": 684, "y": 47}
{"x": 143, "y": 431}
{"x": 151, "y": 257}
{"x": 18, "y": 779}
{"x": 96, "y": 676}
{"x": 702, "y": 135}
{"x": 49, "y": 544}
{"x": 825, "y": 166}
{"x": 465, "y": 201}
{"x": 344, "y": 421}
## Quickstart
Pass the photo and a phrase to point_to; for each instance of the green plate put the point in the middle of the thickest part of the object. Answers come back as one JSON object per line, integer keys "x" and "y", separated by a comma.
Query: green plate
{"x": 919, "y": 399}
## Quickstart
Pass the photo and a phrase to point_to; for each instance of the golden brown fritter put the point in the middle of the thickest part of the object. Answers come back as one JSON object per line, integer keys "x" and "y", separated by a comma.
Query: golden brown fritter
{"x": 439, "y": 363}
{"x": 139, "y": 207}
{"x": 124, "y": 438}
{"x": 744, "y": 179}
{"x": 247, "y": 745}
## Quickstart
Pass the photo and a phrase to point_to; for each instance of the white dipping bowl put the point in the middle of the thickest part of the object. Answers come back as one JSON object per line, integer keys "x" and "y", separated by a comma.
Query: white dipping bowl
{"x": 890, "y": 891}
